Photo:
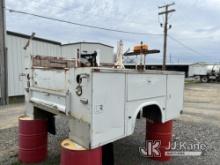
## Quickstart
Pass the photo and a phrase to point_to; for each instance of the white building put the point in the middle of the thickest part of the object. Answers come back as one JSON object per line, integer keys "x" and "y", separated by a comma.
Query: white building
{"x": 16, "y": 41}
{"x": 105, "y": 51}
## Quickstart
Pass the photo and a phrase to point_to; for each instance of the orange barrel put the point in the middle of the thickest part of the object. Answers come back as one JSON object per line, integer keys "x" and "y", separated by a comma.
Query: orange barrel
{"x": 160, "y": 132}
{"x": 32, "y": 140}
{"x": 74, "y": 154}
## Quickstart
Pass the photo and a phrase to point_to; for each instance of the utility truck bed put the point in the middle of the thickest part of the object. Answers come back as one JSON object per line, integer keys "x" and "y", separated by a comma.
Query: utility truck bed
{"x": 102, "y": 104}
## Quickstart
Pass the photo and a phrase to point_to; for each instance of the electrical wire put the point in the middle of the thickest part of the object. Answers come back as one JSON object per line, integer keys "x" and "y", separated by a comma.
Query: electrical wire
{"x": 80, "y": 24}
{"x": 184, "y": 45}
{"x": 103, "y": 28}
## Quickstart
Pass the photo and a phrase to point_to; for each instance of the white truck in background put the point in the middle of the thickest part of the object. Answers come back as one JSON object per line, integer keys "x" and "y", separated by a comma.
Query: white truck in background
{"x": 205, "y": 72}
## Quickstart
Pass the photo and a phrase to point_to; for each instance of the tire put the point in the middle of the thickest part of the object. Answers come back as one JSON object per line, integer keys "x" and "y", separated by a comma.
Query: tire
{"x": 204, "y": 79}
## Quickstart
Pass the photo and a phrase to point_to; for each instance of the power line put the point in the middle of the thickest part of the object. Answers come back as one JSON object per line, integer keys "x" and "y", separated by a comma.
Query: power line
{"x": 184, "y": 45}
{"x": 100, "y": 28}
{"x": 80, "y": 24}
{"x": 64, "y": 8}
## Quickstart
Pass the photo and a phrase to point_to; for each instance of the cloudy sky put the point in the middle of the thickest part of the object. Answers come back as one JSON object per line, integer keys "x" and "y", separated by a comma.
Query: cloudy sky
{"x": 196, "y": 24}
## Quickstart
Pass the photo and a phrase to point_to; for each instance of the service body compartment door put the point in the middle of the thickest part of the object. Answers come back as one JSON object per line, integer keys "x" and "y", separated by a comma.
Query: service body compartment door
{"x": 49, "y": 89}
{"x": 144, "y": 86}
{"x": 50, "y": 79}
{"x": 175, "y": 89}
{"x": 108, "y": 107}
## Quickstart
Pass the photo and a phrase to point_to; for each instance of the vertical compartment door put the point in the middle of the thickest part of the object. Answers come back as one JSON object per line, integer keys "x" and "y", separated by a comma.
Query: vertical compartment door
{"x": 175, "y": 88}
{"x": 108, "y": 107}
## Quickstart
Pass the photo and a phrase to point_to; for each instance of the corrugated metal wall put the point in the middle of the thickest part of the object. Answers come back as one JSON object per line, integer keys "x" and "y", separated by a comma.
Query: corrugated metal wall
{"x": 16, "y": 55}
{"x": 69, "y": 51}
{"x": 105, "y": 52}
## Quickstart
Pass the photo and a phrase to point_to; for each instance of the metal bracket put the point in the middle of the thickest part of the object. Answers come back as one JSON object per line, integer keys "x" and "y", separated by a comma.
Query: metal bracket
{"x": 84, "y": 100}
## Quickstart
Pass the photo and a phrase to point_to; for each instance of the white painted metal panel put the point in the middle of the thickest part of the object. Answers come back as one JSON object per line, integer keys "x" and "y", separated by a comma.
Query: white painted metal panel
{"x": 16, "y": 55}
{"x": 142, "y": 86}
{"x": 15, "y": 65}
{"x": 105, "y": 52}
{"x": 55, "y": 79}
{"x": 82, "y": 111}
{"x": 106, "y": 111}
{"x": 69, "y": 51}
{"x": 108, "y": 107}
{"x": 134, "y": 107}
{"x": 49, "y": 100}
{"x": 174, "y": 102}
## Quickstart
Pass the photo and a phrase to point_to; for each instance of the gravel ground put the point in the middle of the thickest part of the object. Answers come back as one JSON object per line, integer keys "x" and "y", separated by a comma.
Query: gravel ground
{"x": 200, "y": 123}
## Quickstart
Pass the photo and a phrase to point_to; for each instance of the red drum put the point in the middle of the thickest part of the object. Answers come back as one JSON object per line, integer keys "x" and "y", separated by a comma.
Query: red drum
{"x": 32, "y": 140}
{"x": 74, "y": 154}
{"x": 160, "y": 132}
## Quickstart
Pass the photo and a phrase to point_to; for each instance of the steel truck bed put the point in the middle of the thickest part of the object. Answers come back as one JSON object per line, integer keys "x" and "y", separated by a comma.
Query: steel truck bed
{"x": 102, "y": 104}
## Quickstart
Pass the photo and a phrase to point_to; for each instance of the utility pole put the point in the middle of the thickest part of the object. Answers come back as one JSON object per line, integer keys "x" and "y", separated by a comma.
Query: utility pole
{"x": 165, "y": 26}
{"x": 3, "y": 57}
{"x": 170, "y": 58}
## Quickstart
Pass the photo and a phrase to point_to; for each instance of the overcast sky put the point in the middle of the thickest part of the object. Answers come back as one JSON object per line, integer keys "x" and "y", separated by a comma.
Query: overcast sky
{"x": 196, "y": 23}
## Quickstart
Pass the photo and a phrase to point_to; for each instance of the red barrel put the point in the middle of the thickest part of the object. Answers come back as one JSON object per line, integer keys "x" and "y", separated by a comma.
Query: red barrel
{"x": 32, "y": 140}
{"x": 162, "y": 132}
{"x": 74, "y": 154}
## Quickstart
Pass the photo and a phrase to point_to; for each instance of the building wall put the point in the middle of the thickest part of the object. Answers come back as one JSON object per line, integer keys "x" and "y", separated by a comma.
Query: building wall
{"x": 105, "y": 52}
{"x": 16, "y": 55}
{"x": 69, "y": 51}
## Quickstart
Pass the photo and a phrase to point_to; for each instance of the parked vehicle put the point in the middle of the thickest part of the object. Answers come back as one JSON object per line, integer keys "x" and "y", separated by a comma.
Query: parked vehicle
{"x": 205, "y": 72}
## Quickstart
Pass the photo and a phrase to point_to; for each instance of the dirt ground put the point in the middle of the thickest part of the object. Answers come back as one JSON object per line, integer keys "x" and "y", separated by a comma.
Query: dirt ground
{"x": 200, "y": 123}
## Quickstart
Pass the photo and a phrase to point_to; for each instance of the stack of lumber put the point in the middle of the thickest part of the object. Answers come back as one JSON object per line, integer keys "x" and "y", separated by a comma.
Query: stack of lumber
{"x": 53, "y": 62}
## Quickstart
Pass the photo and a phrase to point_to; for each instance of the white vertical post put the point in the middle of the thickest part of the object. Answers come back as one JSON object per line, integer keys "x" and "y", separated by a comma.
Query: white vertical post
{"x": 28, "y": 76}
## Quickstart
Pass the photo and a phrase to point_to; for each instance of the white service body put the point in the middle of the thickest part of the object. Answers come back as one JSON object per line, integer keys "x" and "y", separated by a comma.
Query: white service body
{"x": 110, "y": 101}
